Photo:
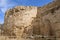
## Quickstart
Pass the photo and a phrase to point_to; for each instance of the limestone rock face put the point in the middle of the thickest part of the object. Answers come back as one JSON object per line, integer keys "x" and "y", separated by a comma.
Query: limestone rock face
{"x": 26, "y": 21}
{"x": 18, "y": 19}
{"x": 0, "y": 25}
{"x": 54, "y": 19}
{"x": 47, "y": 21}
{"x": 0, "y": 29}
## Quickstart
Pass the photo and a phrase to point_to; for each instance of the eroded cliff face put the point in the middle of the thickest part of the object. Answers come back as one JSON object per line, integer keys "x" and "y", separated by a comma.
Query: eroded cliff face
{"x": 47, "y": 22}
{"x": 29, "y": 21}
{"x": 0, "y": 29}
{"x": 52, "y": 20}
{"x": 18, "y": 20}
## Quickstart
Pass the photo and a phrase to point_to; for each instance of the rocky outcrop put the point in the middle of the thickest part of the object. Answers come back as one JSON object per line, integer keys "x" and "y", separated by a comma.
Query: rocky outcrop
{"x": 33, "y": 22}
{"x": 0, "y": 25}
{"x": 1, "y": 29}
{"x": 47, "y": 21}
{"x": 18, "y": 20}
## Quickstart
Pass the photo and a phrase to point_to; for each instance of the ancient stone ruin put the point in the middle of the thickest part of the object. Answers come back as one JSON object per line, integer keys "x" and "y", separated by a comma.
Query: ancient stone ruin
{"x": 33, "y": 23}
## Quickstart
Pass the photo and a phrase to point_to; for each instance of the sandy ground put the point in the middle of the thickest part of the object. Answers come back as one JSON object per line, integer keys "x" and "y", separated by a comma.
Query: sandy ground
{"x": 18, "y": 38}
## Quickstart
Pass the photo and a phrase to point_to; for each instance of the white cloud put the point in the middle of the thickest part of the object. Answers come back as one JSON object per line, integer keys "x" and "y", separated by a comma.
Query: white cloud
{"x": 5, "y": 4}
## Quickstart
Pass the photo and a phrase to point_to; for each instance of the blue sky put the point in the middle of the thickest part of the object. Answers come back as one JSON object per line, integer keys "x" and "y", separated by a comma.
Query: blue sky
{"x": 7, "y": 4}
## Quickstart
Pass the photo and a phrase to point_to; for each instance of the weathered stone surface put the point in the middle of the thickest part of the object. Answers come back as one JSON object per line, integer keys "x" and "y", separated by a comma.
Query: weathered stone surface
{"x": 0, "y": 29}
{"x": 18, "y": 20}
{"x": 31, "y": 22}
{"x": 47, "y": 21}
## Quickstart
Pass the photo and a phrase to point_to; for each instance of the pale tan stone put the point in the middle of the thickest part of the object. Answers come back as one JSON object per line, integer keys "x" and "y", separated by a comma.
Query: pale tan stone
{"x": 29, "y": 22}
